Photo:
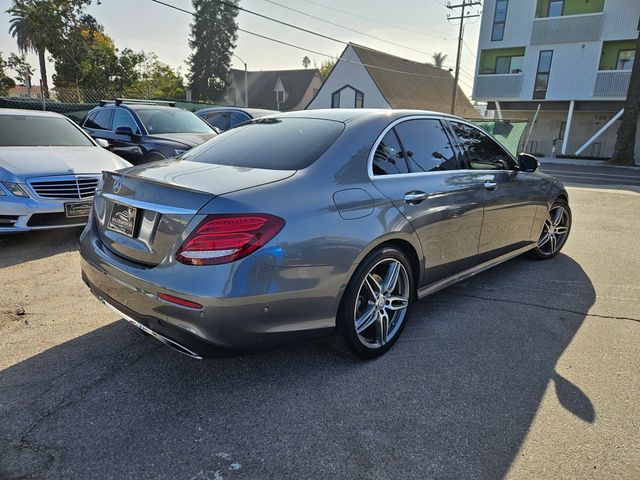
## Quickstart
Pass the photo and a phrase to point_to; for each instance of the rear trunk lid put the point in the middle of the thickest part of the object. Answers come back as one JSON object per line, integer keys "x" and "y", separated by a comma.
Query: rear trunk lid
{"x": 141, "y": 212}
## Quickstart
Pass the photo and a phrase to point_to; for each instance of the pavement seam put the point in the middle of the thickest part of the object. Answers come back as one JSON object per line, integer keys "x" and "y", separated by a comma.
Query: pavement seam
{"x": 566, "y": 310}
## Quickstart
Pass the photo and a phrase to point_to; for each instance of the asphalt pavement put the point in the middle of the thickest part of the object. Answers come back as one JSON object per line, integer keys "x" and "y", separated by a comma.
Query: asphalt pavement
{"x": 527, "y": 371}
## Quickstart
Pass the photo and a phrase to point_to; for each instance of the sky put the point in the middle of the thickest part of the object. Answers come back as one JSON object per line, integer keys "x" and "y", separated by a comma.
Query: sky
{"x": 418, "y": 27}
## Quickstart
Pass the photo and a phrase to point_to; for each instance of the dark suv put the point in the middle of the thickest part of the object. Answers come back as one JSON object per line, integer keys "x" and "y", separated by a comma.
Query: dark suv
{"x": 143, "y": 132}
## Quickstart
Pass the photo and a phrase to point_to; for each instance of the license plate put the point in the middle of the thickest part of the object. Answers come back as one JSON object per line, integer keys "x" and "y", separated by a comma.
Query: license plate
{"x": 77, "y": 209}
{"x": 123, "y": 219}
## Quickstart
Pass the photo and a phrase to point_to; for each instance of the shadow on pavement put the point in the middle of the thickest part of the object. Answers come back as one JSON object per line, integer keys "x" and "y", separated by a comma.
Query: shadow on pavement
{"x": 454, "y": 399}
{"x": 24, "y": 247}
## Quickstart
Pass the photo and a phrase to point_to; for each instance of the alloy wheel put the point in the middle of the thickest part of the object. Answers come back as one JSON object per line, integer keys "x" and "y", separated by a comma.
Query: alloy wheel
{"x": 555, "y": 230}
{"x": 382, "y": 303}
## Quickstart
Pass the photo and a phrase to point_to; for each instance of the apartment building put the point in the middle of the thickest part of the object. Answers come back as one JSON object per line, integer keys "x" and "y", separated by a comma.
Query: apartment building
{"x": 566, "y": 63}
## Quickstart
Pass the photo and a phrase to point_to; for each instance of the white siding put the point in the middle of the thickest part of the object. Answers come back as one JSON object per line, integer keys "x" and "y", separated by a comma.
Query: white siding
{"x": 346, "y": 73}
{"x": 520, "y": 15}
{"x": 621, "y": 19}
{"x": 573, "y": 70}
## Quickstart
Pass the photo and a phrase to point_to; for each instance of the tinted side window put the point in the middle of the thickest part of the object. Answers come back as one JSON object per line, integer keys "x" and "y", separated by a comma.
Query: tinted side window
{"x": 89, "y": 121}
{"x": 388, "y": 158}
{"x": 427, "y": 146}
{"x": 480, "y": 151}
{"x": 101, "y": 121}
{"x": 122, "y": 118}
{"x": 219, "y": 120}
{"x": 237, "y": 118}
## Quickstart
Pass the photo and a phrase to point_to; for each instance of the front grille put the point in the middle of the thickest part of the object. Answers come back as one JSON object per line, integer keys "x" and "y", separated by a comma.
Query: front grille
{"x": 68, "y": 187}
{"x": 54, "y": 220}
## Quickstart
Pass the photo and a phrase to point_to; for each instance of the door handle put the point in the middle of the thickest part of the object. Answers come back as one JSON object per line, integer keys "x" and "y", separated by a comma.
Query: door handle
{"x": 489, "y": 185}
{"x": 415, "y": 197}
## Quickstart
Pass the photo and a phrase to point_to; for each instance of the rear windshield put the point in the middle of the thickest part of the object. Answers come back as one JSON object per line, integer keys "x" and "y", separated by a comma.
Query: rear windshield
{"x": 35, "y": 131}
{"x": 270, "y": 143}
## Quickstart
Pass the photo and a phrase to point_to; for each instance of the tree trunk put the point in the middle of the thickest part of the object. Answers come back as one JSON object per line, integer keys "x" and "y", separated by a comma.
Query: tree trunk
{"x": 624, "y": 151}
{"x": 43, "y": 73}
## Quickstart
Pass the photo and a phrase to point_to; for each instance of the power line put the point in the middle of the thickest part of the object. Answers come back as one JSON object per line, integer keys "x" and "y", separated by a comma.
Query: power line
{"x": 304, "y": 49}
{"x": 399, "y": 27}
{"x": 348, "y": 28}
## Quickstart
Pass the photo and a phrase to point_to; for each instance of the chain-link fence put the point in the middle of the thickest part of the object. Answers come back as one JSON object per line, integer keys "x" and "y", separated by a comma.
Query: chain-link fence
{"x": 76, "y": 102}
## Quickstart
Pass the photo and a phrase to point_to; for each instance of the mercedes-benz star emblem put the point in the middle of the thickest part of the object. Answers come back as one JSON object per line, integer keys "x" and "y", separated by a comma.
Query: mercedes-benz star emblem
{"x": 117, "y": 185}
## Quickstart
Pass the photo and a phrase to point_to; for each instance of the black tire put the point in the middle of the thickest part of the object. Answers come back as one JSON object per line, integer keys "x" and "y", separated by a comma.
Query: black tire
{"x": 346, "y": 339}
{"x": 543, "y": 251}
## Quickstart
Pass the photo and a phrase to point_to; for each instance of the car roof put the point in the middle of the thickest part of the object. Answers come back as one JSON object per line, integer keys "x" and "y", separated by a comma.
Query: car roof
{"x": 139, "y": 106}
{"x": 351, "y": 114}
{"x": 34, "y": 113}
{"x": 256, "y": 112}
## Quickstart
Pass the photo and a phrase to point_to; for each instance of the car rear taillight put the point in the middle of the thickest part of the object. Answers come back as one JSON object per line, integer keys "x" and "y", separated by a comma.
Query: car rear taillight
{"x": 227, "y": 238}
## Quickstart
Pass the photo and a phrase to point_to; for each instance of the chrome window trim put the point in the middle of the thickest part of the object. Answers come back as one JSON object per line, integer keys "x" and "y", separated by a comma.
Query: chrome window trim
{"x": 382, "y": 135}
{"x": 443, "y": 119}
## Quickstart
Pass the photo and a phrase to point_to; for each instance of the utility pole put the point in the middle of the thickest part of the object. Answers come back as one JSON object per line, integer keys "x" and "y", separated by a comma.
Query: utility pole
{"x": 462, "y": 18}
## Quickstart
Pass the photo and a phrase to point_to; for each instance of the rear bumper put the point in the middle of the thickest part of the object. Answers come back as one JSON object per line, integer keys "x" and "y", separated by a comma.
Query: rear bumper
{"x": 246, "y": 305}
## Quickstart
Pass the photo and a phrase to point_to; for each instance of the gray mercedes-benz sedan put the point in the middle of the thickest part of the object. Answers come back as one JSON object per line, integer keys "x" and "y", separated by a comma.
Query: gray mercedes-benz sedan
{"x": 325, "y": 223}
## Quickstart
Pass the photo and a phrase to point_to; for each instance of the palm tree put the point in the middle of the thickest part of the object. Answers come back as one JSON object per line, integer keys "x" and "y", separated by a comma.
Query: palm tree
{"x": 438, "y": 59}
{"x": 31, "y": 25}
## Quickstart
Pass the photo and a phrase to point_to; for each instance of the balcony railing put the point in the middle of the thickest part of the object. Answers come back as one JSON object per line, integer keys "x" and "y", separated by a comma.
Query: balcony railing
{"x": 571, "y": 28}
{"x": 612, "y": 83}
{"x": 497, "y": 86}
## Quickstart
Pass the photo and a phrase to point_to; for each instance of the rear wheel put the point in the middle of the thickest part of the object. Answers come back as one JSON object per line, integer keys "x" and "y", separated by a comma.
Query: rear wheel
{"x": 555, "y": 232}
{"x": 376, "y": 304}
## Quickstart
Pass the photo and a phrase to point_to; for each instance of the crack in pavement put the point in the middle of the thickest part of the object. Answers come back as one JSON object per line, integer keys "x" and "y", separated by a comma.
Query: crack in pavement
{"x": 566, "y": 310}
{"x": 24, "y": 442}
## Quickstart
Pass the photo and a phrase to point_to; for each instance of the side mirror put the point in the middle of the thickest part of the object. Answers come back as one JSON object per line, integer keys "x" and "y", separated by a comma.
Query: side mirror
{"x": 124, "y": 130}
{"x": 102, "y": 142}
{"x": 528, "y": 163}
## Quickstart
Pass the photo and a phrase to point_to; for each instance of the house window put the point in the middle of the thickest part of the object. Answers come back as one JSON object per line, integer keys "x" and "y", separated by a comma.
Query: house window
{"x": 542, "y": 74}
{"x": 556, "y": 8}
{"x": 625, "y": 59}
{"x": 506, "y": 65}
{"x": 335, "y": 100}
{"x": 499, "y": 20}
{"x": 280, "y": 94}
{"x": 563, "y": 127}
{"x": 359, "y": 100}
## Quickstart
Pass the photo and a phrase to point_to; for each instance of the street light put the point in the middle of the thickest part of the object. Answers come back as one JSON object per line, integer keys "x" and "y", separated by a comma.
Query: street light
{"x": 246, "y": 83}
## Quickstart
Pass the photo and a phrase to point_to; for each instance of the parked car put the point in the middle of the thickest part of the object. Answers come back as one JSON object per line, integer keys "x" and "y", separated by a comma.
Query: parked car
{"x": 142, "y": 132}
{"x": 315, "y": 223}
{"x": 49, "y": 169}
{"x": 225, "y": 118}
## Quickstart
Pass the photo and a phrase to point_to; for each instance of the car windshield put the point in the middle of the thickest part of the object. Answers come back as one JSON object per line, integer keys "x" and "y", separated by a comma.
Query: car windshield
{"x": 40, "y": 131}
{"x": 270, "y": 143}
{"x": 172, "y": 120}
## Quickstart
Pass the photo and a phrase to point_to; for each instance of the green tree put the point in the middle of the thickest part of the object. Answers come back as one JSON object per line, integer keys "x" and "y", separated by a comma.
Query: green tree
{"x": 34, "y": 24}
{"x": 6, "y": 82}
{"x": 325, "y": 68}
{"x": 438, "y": 59}
{"x": 159, "y": 80}
{"x": 306, "y": 61}
{"x": 23, "y": 69}
{"x": 89, "y": 59}
{"x": 624, "y": 151}
{"x": 39, "y": 25}
{"x": 213, "y": 38}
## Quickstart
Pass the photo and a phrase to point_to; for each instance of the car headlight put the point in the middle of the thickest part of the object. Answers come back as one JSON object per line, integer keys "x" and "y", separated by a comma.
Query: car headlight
{"x": 180, "y": 151}
{"x": 16, "y": 189}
